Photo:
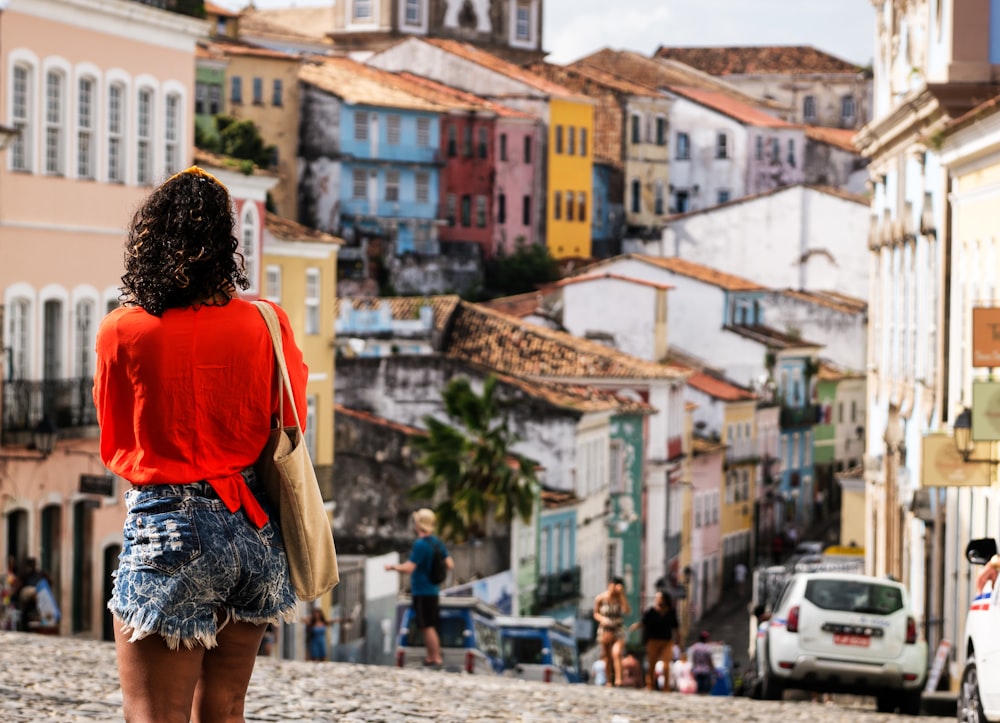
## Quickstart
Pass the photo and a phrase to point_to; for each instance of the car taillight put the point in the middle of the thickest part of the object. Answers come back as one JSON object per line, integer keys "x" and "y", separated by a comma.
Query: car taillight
{"x": 911, "y": 630}
{"x": 400, "y": 658}
{"x": 470, "y": 662}
{"x": 547, "y": 677}
{"x": 793, "y": 620}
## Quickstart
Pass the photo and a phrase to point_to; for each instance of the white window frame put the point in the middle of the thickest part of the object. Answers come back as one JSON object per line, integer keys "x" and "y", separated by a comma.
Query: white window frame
{"x": 392, "y": 185}
{"x": 20, "y": 310}
{"x": 117, "y": 103}
{"x": 250, "y": 243}
{"x": 423, "y": 132}
{"x": 87, "y": 99}
{"x": 21, "y": 101}
{"x": 272, "y": 283}
{"x": 312, "y": 301}
{"x": 56, "y": 104}
{"x": 171, "y": 133}
{"x": 85, "y": 321}
{"x": 722, "y": 149}
{"x": 145, "y": 134}
{"x": 312, "y": 414}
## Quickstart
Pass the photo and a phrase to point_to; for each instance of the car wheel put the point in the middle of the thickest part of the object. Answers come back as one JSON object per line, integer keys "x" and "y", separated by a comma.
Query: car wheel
{"x": 970, "y": 705}
{"x": 885, "y": 702}
{"x": 771, "y": 687}
{"x": 909, "y": 702}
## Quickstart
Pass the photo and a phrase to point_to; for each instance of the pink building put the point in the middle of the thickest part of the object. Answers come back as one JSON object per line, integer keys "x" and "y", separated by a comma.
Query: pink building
{"x": 102, "y": 96}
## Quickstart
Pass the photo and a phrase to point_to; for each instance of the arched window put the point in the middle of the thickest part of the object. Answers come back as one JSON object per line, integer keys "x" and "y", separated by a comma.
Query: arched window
{"x": 116, "y": 133}
{"x": 19, "y": 338}
{"x": 84, "y": 339}
{"x": 21, "y": 113}
{"x": 171, "y": 133}
{"x": 55, "y": 123}
{"x": 144, "y": 137}
{"x": 86, "y": 117}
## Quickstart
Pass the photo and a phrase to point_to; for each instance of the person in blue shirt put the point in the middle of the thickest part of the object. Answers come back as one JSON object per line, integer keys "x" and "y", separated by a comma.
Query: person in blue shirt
{"x": 424, "y": 593}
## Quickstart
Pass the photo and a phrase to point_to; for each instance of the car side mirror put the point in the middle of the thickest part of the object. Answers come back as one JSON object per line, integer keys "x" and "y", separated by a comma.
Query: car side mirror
{"x": 979, "y": 552}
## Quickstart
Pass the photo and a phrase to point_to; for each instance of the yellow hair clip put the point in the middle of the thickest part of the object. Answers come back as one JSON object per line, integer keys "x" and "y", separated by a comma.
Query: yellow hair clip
{"x": 196, "y": 171}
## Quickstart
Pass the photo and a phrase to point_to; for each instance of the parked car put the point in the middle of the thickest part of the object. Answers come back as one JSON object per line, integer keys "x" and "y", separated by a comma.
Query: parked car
{"x": 538, "y": 648}
{"x": 469, "y": 636}
{"x": 843, "y": 633}
{"x": 979, "y": 692}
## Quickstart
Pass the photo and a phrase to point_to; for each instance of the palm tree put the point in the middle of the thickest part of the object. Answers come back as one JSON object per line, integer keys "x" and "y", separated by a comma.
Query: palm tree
{"x": 473, "y": 470}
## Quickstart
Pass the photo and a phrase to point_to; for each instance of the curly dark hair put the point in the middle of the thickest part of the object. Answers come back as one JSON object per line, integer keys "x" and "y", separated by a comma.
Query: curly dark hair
{"x": 181, "y": 248}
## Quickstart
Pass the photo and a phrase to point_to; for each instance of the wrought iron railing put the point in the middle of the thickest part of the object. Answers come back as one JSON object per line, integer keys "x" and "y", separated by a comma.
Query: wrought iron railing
{"x": 558, "y": 588}
{"x": 68, "y": 403}
{"x": 805, "y": 416}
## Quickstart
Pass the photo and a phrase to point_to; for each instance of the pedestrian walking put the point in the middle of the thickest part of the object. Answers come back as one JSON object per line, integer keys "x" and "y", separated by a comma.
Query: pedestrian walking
{"x": 316, "y": 627}
{"x": 659, "y": 634}
{"x": 185, "y": 391}
{"x": 610, "y": 609}
{"x": 702, "y": 665}
{"x": 424, "y": 592}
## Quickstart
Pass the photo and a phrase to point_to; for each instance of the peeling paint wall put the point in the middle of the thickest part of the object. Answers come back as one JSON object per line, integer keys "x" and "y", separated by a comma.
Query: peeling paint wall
{"x": 319, "y": 175}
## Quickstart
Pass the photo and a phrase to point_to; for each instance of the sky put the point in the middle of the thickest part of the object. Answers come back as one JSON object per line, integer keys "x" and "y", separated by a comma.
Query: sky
{"x": 575, "y": 28}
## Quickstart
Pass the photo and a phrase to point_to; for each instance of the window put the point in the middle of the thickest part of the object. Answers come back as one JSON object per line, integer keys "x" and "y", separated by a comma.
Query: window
{"x": 581, "y": 203}
{"x": 359, "y": 183}
{"x": 791, "y": 152}
{"x": 236, "y": 89}
{"x": 658, "y": 198}
{"x": 214, "y": 99}
{"x": 450, "y": 204}
{"x": 171, "y": 130}
{"x": 721, "y": 145}
{"x": 360, "y": 125}
{"x": 201, "y": 98}
{"x": 54, "y": 122}
{"x": 144, "y": 138}
{"x": 503, "y": 146}
{"x": 583, "y": 141}
{"x": 20, "y": 338}
{"x": 481, "y": 211}
{"x": 527, "y": 149}
{"x": 86, "y": 151}
{"x": 526, "y": 210}
{"x": 569, "y": 206}
{"x": 636, "y": 128}
{"x": 258, "y": 91}
{"x": 661, "y": 130}
{"x": 847, "y": 108}
{"x": 423, "y": 132}
{"x": 452, "y": 141}
{"x": 116, "y": 130}
{"x": 502, "y": 208}
{"x": 636, "y": 196}
{"x": 571, "y": 141}
{"x": 723, "y": 195}
{"x": 522, "y": 23}
{"x": 467, "y": 141}
{"x": 248, "y": 247}
{"x": 411, "y": 12}
{"x": 483, "y": 143}
{"x": 52, "y": 334}
{"x": 557, "y": 205}
{"x": 312, "y": 301}
{"x": 759, "y": 148}
{"x": 697, "y": 510}
{"x": 272, "y": 284}
{"x": 466, "y": 210}
{"x": 422, "y": 181}
{"x": 277, "y": 93}
{"x": 392, "y": 185}
{"x": 775, "y": 150}
{"x": 809, "y": 108}
{"x": 309, "y": 436}
{"x": 559, "y": 139}
{"x": 392, "y": 130}
{"x": 362, "y": 10}
{"x": 683, "y": 147}
{"x": 681, "y": 201}
{"x": 83, "y": 352}
{"x": 21, "y": 104}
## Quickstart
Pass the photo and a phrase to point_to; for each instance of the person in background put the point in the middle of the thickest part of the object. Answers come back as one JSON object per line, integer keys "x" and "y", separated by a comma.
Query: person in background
{"x": 185, "y": 389}
{"x": 702, "y": 665}
{"x": 659, "y": 634}
{"x": 598, "y": 672}
{"x": 316, "y": 625}
{"x": 425, "y": 594}
{"x": 266, "y": 646}
{"x": 610, "y": 609}
{"x": 631, "y": 671}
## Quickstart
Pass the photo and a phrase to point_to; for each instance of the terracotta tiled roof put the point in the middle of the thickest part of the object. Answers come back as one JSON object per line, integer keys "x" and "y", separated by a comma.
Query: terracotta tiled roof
{"x": 213, "y": 9}
{"x": 700, "y": 445}
{"x": 499, "y": 65}
{"x": 772, "y": 337}
{"x": 512, "y": 346}
{"x": 218, "y": 47}
{"x": 658, "y": 74}
{"x": 519, "y": 305}
{"x": 285, "y": 229}
{"x": 697, "y": 271}
{"x": 982, "y": 110}
{"x": 735, "y": 109}
{"x": 306, "y": 25}
{"x": 830, "y": 299}
{"x": 445, "y": 94}
{"x": 360, "y": 84}
{"x": 572, "y": 75}
{"x": 840, "y": 137}
{"x": 719, "y": 388}
{"x": 554, "y": 499}
{"x": 377, "y": 420}
{"x": 829, "y": 371}
{"x": 583, "y": 277}
{"x": 758, "y": 60}
{"x": 576, "y": 397}
{"x": 404, "y": 307}
{"x": 209, "y": 160}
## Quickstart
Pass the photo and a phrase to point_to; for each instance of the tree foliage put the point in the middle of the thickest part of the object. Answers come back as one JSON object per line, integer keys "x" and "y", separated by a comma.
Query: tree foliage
{"x": 238, "y": 139}
{"x": 524, "y": 270}
{"x": 474, "y": 472}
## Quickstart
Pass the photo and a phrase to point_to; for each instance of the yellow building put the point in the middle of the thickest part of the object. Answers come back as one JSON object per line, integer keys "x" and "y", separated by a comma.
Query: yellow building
{"x": 570, "y": 161}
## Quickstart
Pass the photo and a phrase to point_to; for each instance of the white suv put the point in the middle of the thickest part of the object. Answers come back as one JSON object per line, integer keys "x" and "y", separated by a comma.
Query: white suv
{"x": 979, "y": 693}
{"x": 844, "y": 633}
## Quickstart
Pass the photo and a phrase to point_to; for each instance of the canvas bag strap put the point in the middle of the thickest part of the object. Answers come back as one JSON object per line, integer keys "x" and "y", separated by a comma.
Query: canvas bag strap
{"x": 271, "y": 319}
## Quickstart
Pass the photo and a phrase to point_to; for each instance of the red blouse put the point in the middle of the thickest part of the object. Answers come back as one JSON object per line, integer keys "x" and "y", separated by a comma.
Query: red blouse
{"x": 189, "y": 396}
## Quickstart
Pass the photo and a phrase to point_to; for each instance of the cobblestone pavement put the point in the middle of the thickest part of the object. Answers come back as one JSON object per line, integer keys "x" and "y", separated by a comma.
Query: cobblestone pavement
{"x": 49, "y": 679}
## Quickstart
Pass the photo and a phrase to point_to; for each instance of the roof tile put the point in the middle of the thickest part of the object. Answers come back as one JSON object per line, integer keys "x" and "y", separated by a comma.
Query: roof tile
{"x": 758, "y": 60}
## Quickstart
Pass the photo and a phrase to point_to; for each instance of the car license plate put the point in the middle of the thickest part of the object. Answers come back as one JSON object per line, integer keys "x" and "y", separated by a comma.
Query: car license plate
{"x": 862, "y": 641}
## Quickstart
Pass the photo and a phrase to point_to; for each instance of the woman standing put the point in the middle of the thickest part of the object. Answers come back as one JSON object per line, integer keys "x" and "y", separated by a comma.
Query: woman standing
{"x": 610, "y": 609}
{"x": 316, "y": 635}
{"x": 185, "y": 390}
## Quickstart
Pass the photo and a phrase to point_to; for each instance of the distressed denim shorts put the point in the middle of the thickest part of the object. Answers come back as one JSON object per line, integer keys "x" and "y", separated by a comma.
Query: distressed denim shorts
{"x": 189, "y": 566}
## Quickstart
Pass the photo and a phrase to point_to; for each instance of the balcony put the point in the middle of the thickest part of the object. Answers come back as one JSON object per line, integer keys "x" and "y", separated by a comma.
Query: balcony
{"x": 792, "y": 417}
{"x": 559, "y": 588}
{"x": 741, "y": 450}
{"x": 68, "y": 403}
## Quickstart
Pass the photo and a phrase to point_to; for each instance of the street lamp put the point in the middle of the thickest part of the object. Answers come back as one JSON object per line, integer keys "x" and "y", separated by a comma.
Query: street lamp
{"x": 964, "y": 444}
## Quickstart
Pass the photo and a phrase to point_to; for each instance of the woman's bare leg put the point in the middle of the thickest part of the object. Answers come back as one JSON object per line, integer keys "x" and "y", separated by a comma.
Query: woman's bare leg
{"x": 225, "y": 675}
{"x": 158, "y": 683}
{"x": 616, "y": 655}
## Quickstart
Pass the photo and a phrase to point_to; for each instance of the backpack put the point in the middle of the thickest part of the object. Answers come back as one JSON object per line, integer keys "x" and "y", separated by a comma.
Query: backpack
{"x": 439, "y": 570}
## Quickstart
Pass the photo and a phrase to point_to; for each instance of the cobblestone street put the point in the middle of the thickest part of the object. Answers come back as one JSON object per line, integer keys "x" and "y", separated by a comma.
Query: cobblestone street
{"x": 51, "y": 679}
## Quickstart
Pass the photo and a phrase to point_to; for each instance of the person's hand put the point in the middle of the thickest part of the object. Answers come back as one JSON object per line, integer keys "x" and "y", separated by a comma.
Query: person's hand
{"x": 389, "y": 567}
{"x": 988, "y": 574}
